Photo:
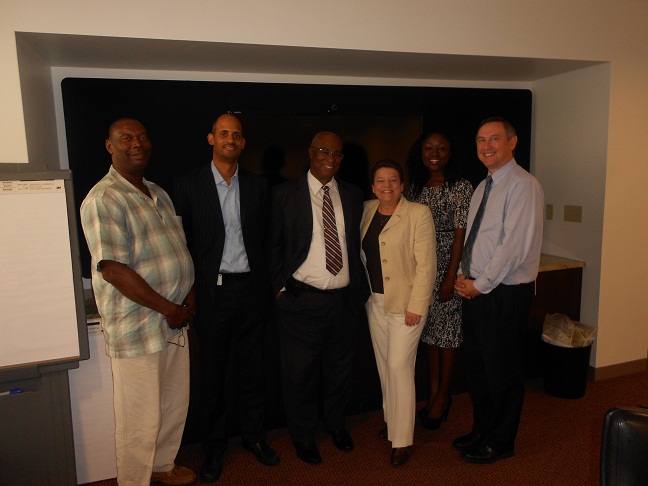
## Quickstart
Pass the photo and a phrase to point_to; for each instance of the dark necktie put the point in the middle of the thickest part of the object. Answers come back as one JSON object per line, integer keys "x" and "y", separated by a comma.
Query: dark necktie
{"x": 472, "y": 236}
{"x": 331, "y": 238}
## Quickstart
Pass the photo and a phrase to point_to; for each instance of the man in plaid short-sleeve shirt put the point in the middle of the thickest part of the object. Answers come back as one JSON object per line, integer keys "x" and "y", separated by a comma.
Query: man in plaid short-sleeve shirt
{"x": 142, "y": 276}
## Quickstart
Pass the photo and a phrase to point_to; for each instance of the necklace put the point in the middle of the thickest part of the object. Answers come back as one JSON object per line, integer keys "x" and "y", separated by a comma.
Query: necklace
{"x": 383, "y": 218}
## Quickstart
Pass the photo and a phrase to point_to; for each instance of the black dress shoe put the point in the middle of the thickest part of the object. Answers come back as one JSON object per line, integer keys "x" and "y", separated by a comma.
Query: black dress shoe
{"x": 265, "y": 454}
{"x": 307, "y": 452}
{"x": 342, "y": 439}
{"x": 383, "y": 433}
{"x": 466, "y": 442}
{"x": 400, "y": 455}
{"x": 211, "y": 469}
{"x": 484, "y": 454}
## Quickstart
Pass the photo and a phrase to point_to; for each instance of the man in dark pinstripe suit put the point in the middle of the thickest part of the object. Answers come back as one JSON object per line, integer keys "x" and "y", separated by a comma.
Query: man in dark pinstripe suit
{"x": 224, "y": 212}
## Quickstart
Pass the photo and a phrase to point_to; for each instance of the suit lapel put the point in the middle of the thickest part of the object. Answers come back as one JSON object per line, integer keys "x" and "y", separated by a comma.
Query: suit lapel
{"x": 211, "y": 196}
{"x": 396, "y": 218}
{"x": 304, "y": 209}
{"x": 347, "y": 204}
{"x": 244, "y": 195}
{"x": 371, "y": 211}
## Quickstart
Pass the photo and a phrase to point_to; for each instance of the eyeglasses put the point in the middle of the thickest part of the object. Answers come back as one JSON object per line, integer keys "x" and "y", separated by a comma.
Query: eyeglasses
{"x": 181, "y": 339}
{"x": 129, "y": 138}
{"x": 328, "y": 153}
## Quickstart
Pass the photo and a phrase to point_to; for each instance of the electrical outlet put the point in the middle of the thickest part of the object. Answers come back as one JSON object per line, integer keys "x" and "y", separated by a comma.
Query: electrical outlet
{"x": 573, "y": 213}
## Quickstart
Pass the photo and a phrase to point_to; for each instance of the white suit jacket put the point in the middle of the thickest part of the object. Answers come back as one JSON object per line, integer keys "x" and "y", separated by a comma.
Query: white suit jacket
{"x": 407, "y": 254}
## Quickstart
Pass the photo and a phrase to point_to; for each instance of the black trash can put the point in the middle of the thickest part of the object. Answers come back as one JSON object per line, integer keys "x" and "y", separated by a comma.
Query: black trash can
{"x": 565, "y": 370}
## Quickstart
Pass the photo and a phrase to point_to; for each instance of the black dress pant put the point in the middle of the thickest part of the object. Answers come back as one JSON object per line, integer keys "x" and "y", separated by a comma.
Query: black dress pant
{"x": 317, "y": 336}
{"x": 231, "y": 330}
{"x": 495, "y": 327}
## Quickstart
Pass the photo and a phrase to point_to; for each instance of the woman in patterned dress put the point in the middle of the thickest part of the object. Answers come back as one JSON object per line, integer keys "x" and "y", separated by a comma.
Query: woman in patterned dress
{"x": 435, "y": 183}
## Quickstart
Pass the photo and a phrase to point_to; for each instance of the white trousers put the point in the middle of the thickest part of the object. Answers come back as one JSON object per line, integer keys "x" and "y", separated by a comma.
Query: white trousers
{"x": 395, "y": 346}
{"x": 151, "y": 397}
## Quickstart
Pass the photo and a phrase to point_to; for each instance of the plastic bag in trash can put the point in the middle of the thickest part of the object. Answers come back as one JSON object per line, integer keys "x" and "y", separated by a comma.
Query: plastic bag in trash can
{"x": 560, "y": 330}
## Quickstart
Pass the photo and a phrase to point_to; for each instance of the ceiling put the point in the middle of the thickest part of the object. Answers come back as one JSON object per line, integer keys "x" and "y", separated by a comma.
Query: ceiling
{"x": 63, "y": 50}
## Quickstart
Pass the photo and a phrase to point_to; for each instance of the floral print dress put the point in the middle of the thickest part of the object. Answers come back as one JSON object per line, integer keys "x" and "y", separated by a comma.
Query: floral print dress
{"x": 449, "y": 206}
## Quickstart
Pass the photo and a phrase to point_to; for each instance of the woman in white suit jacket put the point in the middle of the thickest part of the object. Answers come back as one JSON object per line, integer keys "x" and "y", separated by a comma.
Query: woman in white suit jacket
{"x": 398, "y": 249}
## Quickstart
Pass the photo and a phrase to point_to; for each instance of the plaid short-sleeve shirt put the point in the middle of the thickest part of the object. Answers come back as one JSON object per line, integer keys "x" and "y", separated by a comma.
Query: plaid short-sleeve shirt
{"x": 122, "y": 224}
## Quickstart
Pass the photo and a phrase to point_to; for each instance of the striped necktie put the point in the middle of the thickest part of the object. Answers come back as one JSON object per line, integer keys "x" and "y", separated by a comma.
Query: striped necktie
{"x": 331, "y": 238}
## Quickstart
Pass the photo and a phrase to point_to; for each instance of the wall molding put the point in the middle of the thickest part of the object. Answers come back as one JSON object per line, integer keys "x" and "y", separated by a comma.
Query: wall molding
{"x": 616, "y": 370}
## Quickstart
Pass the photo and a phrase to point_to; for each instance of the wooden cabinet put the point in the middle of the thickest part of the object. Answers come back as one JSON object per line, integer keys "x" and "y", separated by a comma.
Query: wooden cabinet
{"x": 556, "y": 290}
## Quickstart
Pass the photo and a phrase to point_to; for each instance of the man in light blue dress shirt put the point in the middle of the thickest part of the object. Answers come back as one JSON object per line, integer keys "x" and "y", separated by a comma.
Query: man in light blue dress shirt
{"x": 225, "y": 214}
{"x": 496, "y": 283}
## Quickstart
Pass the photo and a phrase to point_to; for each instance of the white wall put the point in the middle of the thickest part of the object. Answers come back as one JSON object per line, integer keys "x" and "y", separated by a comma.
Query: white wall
{"x": 581, "y": 30}
{"x": 569, "y": 153}
{"x": 624, "y": 261}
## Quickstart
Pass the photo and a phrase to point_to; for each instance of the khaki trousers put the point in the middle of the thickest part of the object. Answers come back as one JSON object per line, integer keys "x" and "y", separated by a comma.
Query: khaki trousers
{"x": 395, "y": 346}
{"x": 151, "y": 397}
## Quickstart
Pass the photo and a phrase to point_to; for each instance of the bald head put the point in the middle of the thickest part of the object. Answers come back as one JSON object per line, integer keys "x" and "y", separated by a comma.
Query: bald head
{"x": 227, "y": 140}
{"x": 121, "y": 121}
{"x": 325, "y": 154}
{"x": 325, "y": 135}
{"x": 129, "y": 146}
{"x": 227, "y": 118}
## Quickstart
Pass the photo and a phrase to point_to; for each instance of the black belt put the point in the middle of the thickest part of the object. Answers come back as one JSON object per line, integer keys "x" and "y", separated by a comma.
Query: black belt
{"x": 527, "y": 284}
{"x": 234, "y": 276}
{"x": 504, "y": 285}
{"x": 296, "y": 286}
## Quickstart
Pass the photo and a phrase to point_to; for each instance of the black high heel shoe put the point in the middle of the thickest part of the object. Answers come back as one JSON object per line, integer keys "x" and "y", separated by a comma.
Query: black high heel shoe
{"x": 434, "y": 423}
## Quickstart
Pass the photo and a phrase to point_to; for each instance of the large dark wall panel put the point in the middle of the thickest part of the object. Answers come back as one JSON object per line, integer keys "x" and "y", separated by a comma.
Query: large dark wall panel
{"x": 374, "y": 122}
{"x": 178, "y": 115}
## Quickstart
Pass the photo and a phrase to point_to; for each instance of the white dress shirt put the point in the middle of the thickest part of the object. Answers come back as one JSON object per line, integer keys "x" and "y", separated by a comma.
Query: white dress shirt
{"x": 313, "y": 271}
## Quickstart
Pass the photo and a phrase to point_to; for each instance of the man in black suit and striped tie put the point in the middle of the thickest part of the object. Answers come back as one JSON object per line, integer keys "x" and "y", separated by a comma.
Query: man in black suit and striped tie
{"x": 320, "y": 287}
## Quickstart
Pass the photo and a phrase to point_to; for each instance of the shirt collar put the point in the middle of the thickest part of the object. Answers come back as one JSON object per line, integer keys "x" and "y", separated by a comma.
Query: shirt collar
{"x": 218, "y": 178}
{"x": 315, "y": 185}
{"x": 500, "y": 173}
{"x": 123, "y": 181}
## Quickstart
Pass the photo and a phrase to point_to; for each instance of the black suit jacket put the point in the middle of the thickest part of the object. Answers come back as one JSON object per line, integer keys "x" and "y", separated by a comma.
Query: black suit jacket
{"x": 196, "y": 200}
{"x": 292, "y": 231}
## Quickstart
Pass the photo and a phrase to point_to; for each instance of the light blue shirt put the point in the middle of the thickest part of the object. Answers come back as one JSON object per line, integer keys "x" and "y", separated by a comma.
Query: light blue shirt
{"x": 507, "y": 248}
{"x": 234, "y": 258}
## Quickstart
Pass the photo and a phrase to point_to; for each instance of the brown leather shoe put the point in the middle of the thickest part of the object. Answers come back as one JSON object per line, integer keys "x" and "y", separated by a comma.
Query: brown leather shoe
{"x": 400, "y": 455}
{"x": 177, "y": 475}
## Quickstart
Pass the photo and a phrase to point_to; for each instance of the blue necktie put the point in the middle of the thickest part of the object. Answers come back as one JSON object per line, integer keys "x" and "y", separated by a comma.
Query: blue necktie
{"x": 472, "y": 236}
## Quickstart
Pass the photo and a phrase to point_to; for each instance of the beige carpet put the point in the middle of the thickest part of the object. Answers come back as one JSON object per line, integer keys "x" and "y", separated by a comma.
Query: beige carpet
{"x": 558, "y": 444}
